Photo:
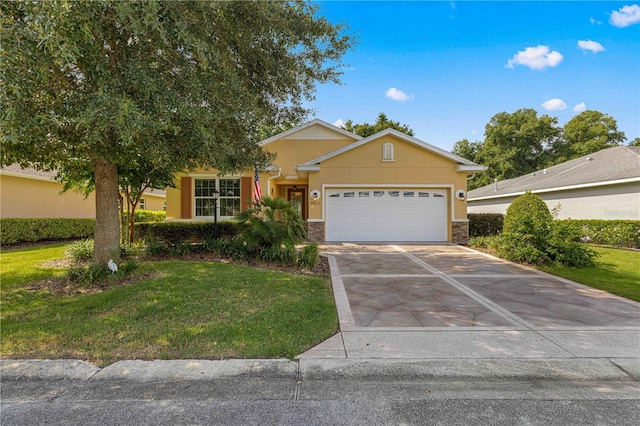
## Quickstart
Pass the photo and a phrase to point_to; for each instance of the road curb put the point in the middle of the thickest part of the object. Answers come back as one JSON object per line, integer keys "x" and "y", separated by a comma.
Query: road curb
{"x": 46, "y": 369}
{"x": 575, "y": 369}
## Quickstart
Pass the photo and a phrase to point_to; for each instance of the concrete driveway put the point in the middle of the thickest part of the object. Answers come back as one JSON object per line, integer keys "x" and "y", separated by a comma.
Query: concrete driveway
{"x": 447, "y": 301}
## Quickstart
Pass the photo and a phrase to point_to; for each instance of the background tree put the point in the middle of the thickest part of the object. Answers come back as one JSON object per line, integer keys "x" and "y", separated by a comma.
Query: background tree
{"x": 635, "y": 142}
{"x": 91, "y": 85}
{"x": 466, "y": 149}
{"x": 587, "y": 132}
{"x": 515, "y": 144}
{"x": 382, "y": 123}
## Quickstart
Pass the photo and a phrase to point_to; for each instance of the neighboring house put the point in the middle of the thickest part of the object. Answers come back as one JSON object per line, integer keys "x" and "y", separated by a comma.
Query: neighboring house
{"x": 28, "y": 193}
{"x": 602, "y": 185}
{"x": 386, "y": 187}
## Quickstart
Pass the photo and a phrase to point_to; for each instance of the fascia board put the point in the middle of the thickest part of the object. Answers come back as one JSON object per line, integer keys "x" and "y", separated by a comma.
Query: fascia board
{"x": 399, "y": 135}
{"x": 28, "y": 176}
{"x": 308, "y": 167}
{"x": 307, "y": 125}
{"x": 470, "y": 168}
{"x": 557, "y": 189}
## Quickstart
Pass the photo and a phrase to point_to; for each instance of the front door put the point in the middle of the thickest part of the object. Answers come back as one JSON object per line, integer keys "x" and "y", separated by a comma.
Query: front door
{"x": 298, "y": 197}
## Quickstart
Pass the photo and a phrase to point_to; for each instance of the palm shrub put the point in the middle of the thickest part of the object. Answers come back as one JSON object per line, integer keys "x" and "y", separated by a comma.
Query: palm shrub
{"x": 271, "y": 229}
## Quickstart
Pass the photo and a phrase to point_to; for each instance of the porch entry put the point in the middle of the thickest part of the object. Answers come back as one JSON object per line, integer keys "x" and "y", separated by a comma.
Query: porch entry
{"x": 297, "y": 195}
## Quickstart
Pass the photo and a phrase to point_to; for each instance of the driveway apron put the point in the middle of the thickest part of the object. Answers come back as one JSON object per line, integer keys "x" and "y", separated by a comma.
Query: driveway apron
{"x": 446, "y": 301}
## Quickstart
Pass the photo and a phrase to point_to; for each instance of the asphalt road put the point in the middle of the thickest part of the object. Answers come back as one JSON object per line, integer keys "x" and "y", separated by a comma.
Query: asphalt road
{"x": 287, "y": 400}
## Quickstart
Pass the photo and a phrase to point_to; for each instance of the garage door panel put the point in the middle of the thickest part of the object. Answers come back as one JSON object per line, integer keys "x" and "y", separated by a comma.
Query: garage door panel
{"x": 386, "y": 215}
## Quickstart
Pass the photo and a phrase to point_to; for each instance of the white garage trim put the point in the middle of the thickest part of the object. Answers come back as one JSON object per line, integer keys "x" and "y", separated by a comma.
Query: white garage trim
{"x": 386, "y": 212}
{"x": 326, "y": 186}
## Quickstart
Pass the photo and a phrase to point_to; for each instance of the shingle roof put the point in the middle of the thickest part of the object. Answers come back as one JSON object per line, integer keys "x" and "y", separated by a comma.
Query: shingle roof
{"x": 15, "y": 170}
{"x": 607, "y": 165}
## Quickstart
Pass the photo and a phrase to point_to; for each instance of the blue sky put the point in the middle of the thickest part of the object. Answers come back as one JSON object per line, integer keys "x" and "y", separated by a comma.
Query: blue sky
{"x": 446, "y": 68}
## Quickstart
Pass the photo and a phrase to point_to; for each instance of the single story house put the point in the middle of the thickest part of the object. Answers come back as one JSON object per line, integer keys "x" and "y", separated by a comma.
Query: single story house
{"x": 602, "y": 185}
{"x": 29, "y": 193}
{"x": 386, "y": 187}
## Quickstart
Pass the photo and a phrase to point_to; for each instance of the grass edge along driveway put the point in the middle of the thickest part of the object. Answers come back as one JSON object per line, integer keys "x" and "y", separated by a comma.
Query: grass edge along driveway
{"x": 180, "y": 310}
{"x": 617, "y": 271}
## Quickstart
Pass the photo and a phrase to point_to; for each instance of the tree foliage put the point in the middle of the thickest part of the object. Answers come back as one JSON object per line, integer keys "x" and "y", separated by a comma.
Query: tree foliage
{"x": 522, "y": 142}
{"x": 587, "y": 132}
{"x": 515, "y": 143}
{"x": 382, "y": 123}
{"x": 93, "y": 89}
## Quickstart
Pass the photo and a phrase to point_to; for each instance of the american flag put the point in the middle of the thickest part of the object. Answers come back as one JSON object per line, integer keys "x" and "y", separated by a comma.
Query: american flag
{"x": 257, "y": 193}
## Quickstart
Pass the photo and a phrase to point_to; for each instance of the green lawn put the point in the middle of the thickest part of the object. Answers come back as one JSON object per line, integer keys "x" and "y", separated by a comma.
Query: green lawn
{"x": 617, "y": 271}
{"x": 178, "y": 310}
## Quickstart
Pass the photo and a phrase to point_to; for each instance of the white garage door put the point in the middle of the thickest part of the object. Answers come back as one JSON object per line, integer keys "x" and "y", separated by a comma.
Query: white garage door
{"x": 386, "y": 215}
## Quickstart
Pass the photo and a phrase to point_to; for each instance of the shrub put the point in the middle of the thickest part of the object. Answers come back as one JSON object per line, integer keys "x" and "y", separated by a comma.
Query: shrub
{"x": 531, "y": 235}
{"x": 490, "y": 242}
{"x": 308, "y": 256}
{"x": 16, "y": 230}
{"x": 141, "y": 216}
{"x": 618, "y": 233}
{"x": 527, "y": 229}
{"x": 272, "y": 223}
{"x": 284, "y": 254}
{"x": 93, "y": 274}
{"x": 485, "y": 224}
{"x": 173, "y": 233}
{"x": 80, "y": 251}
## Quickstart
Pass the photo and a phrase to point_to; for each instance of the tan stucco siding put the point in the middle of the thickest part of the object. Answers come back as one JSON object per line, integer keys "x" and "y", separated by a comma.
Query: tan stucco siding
{"x": 29, "y": 198}
{"x": 412, "y": 166}
{"x": 621, "y": 201}
{"x": 173, "y": 202}
{"x": 153, "y": 202}
{"x": 291, "y": 152}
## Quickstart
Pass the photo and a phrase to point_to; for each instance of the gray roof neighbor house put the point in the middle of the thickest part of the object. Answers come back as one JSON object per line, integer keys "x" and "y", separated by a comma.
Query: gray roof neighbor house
{"x": 601, "y": 185}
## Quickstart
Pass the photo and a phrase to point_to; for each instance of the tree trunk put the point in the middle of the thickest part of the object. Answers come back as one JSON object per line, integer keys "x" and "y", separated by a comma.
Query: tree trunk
{"x": 107, "y": 237}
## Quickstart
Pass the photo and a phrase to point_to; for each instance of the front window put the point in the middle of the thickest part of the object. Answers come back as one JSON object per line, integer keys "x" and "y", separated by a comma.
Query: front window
{"x": 228, "y": 199}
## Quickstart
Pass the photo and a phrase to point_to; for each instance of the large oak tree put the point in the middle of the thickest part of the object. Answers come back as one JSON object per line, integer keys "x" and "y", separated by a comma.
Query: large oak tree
{"x": 88, "y": 88}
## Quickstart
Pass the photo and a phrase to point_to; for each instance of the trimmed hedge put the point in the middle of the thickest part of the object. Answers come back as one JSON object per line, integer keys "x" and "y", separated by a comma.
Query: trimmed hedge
{"x": 18, "y": 230}
{"x": 485, "y": 224}
{"x": 617, "y": 233}
{"x": 149, "y": 216}
{"x": 176, "y": 233}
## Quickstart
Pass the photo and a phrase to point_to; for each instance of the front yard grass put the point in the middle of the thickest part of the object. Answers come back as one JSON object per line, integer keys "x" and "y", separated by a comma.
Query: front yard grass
{"x": 617, "y": 271}
{"x": 176, "y": 310}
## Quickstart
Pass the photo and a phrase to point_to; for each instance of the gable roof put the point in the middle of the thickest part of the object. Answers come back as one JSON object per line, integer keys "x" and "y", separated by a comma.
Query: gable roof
{"x": 315, "y": 122}
{"x": 464, "y": 164}
{"x": 608, "y": 166}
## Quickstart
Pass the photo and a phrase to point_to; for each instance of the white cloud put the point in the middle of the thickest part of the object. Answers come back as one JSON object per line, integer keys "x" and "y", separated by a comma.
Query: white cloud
{"x": 593, "y": 46}
{"x": 397, "y": 95}
{"x": 338, "y": 122}
{"x": 627, "y": 15}
{"x": 580, "y": 107}
{"x": 536, "y": 58}
{"x": 554, "y": 105}
{"x": 594, "y": 22}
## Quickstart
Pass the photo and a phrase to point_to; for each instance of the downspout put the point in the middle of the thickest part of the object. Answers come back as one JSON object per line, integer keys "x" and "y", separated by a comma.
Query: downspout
{"x": 273, "y": 177}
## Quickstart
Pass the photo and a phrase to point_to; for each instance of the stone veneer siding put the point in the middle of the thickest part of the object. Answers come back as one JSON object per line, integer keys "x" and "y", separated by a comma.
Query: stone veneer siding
{"x": 460, "y": 232}
{"x": 315, "y": 232}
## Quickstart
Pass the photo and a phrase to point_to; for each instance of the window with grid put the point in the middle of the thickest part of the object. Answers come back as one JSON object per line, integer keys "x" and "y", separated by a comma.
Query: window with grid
{"x": 228, "y": 198}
